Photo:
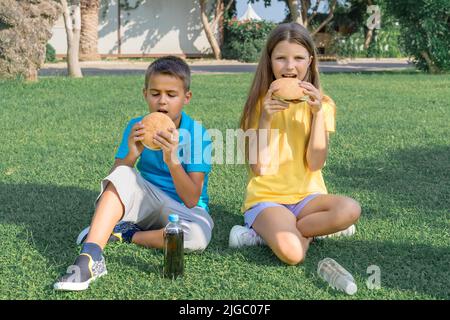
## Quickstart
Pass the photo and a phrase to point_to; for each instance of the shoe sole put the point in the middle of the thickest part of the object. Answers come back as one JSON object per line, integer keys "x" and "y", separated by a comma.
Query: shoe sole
{"x": 74, "y": 286}
{"x": 83, "y": 234}
{"x": 351, "y": 230}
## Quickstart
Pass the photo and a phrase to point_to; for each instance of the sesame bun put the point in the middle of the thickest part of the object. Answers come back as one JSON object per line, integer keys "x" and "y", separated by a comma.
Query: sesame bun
{"x": 154, "y": 122}
{"x": 289, "y": 91}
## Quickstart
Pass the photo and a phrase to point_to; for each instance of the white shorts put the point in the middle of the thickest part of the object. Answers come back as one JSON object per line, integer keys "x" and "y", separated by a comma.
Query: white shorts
{"x": 149, "y": 207}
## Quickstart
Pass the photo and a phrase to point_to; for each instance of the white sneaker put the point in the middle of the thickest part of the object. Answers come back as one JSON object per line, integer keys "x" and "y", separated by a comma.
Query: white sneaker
{"x": 344, "y": 233}
{"x": 241, "y": 236}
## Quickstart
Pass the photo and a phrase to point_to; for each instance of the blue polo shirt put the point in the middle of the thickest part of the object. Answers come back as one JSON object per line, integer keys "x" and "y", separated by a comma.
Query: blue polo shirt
{"x": 194, "y": 152}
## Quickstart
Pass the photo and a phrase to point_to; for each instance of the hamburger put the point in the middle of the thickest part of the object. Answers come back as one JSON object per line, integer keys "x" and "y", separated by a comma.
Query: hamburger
{"x": 154, "y": 122}
{"x": 289, "y": 91}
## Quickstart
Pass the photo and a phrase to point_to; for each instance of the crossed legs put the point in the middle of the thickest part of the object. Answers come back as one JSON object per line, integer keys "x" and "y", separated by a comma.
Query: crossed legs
{"x": 289, "y": 236}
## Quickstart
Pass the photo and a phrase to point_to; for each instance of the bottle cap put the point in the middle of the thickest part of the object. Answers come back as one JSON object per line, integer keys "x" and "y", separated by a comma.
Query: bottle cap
{"x": 173, "y": 217}
{"x": 351, "y": 288}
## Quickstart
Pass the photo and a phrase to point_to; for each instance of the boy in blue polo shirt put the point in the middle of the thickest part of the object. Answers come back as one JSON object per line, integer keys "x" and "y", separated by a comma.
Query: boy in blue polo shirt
{"x": 134, "y": 205}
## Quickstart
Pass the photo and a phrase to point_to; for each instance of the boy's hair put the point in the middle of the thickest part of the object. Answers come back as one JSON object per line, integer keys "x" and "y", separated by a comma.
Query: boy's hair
{"x": 293, "y": 33}
{"x": 172, "y": 66}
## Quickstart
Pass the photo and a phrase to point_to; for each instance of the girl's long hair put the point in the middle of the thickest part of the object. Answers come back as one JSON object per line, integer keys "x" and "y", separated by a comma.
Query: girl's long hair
{"x": 294, "y": 33}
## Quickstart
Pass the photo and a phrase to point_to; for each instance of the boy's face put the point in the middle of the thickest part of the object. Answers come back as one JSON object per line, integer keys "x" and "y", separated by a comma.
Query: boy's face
{"x": 165, "y": 93}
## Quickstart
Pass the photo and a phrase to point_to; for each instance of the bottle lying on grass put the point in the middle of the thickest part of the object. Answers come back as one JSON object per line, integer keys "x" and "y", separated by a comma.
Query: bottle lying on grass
{"x": 337, "y": 277}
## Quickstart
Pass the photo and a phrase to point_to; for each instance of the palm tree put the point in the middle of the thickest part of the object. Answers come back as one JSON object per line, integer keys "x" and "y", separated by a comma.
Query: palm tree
{"x": 89, "y": 30}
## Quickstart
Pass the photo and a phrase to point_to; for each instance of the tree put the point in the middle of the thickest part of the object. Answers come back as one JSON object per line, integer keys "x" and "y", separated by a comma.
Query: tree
{"x": 424, "y": 32}
{"x": 72, "y": 23}
{"x": 209, "y": 27}
{"x": 25, "y": 28}
{"x": 89, "y": 30}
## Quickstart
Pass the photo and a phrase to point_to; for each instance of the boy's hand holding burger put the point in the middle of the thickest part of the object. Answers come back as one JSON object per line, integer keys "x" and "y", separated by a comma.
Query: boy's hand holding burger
{"x": 155, "y": 131}
{"x": 160, "y": 133}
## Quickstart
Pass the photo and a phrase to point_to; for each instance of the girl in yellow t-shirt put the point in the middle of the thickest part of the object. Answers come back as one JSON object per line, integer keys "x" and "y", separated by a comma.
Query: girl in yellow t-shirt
{"x": 286, "y": 202}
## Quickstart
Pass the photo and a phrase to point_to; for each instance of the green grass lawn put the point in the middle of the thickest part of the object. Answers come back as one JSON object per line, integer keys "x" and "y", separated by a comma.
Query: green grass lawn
{"x": 391, "y": 152}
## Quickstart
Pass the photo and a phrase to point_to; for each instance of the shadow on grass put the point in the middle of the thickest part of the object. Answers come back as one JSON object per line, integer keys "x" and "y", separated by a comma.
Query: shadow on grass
{"x": 54, "y": 215}
{"x": 417, "y": 178}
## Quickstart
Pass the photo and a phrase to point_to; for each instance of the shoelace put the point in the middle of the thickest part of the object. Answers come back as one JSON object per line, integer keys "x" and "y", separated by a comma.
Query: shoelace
{"x": 124, "y": 227}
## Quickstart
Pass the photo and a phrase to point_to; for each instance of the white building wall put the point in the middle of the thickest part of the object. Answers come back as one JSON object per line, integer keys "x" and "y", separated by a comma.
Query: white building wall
{"x": 156, "y": 27}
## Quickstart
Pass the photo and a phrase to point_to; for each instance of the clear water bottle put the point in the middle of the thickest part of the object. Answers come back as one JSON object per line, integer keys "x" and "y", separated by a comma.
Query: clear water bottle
{"x": 338, "y": 278}
{"x": 173, "y": 248}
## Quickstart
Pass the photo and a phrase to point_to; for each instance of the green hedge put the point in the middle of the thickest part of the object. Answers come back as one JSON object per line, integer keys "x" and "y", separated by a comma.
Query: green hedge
{"x": 244, "y": 40}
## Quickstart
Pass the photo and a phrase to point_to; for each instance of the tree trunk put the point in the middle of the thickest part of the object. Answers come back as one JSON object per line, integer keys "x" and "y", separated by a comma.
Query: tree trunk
{"x": 209, "y": 33}
{"x": 296, "y": 14}
{"x": 89, "y": 30}
{"x": 72, "y": 22}
{"x": 32, "y": 74}
{"x": 431, "y": 66}
{"x": 369, "y": 33}
{"x": 368, "y": 38}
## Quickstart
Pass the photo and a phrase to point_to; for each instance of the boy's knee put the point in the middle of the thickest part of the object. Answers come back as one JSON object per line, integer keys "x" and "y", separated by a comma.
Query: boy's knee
{"x": 197, "y": 240}
{"x": 195, "y": 246}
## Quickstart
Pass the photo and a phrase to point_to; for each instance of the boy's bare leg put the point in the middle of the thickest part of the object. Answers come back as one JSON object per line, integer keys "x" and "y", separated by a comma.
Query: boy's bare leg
{"x": 90, "y": 264}
{"x": 108, "y": 212}
{"x": 150, "y": 239}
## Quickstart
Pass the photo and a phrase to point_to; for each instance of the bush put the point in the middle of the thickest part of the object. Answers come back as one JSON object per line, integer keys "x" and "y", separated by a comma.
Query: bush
{"x": 50, "y": 53}
{"x": 424, "y": 32}
{"x": 244, "y": 40}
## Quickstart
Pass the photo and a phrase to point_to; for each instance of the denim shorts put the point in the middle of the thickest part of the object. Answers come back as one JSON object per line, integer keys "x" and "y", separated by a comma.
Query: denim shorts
{"x": 251, "y": 214}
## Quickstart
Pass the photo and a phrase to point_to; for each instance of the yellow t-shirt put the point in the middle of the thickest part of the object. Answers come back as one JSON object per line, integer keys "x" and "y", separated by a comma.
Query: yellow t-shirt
{"x": 289, "y": 179}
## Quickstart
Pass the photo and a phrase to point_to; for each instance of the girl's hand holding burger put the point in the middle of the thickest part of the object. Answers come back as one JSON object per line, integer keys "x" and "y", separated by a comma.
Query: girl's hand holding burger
{"x": 315, "y": 101}
{"x": 270, "y": 105}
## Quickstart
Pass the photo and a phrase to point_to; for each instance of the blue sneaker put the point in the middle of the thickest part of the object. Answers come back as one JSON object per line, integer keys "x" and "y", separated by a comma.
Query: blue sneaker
{"x": 120, "y": 228}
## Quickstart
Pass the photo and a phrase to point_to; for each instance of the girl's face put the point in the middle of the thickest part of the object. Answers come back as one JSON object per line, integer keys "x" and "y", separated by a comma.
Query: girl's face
{"x": 290, "y": 60}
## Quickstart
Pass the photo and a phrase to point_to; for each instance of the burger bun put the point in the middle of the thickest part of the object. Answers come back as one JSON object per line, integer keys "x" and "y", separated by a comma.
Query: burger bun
{"x": 154, "y": 122}
{"x": 288, "y": 90}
